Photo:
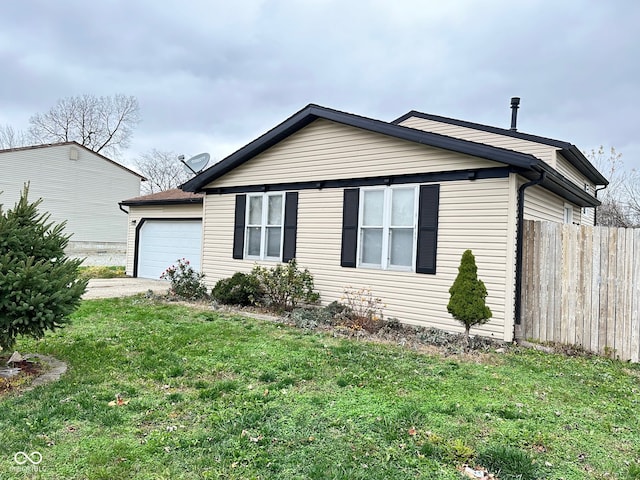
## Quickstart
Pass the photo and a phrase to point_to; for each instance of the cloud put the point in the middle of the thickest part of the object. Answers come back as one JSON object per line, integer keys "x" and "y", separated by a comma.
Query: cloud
{"x": 216, "y": 74}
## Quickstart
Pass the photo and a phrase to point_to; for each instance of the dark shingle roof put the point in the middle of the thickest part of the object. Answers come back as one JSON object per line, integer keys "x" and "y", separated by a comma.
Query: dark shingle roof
{"x": 167, "y": 197}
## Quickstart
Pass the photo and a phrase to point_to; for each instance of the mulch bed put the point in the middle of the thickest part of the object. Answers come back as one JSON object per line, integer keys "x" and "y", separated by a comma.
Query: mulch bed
{"x": 28, "y": 371}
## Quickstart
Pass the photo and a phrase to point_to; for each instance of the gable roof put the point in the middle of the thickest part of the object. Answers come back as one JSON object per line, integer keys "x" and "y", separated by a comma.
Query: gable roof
{"x": 168, "y": 197}
{"x": 568, "y": 150}
{"x": 528, "y": 165}
{"x": 75, "y": 144}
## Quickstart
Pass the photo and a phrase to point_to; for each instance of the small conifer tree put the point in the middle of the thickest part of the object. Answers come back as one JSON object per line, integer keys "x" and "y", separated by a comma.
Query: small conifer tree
{"x": 467, "y": 296}
{"x": 39, "y": 285}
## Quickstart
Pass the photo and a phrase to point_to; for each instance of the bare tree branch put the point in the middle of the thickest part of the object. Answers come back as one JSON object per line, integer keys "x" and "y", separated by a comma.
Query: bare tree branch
{"x": 10, "y": 138}
{"x": 102, "y": 124}
{"x": 621, "y": 199}
{"x": 162, "y": 169}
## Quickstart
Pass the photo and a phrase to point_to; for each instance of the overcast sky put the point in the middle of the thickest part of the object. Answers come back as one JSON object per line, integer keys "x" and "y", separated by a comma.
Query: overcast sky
{"x": 211, "y": 76}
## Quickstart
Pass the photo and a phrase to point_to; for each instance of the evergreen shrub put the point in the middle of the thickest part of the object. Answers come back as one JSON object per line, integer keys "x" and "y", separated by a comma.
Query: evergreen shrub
{"x": 39, "y": 285}
{"x": 468, "y": 293}
{"x": 239, "y": 289}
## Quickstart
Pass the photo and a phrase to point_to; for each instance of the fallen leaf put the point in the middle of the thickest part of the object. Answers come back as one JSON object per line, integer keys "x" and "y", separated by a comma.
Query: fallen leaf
{"x": 118, "y": 401}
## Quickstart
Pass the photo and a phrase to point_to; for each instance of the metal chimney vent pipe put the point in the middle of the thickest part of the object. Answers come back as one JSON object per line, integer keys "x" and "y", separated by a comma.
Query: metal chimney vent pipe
{"x": 515, "y": 102}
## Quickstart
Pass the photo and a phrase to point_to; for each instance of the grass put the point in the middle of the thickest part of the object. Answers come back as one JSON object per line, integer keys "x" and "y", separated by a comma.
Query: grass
{"x": 212, "y": 396}
{"x": 101, "y": 272}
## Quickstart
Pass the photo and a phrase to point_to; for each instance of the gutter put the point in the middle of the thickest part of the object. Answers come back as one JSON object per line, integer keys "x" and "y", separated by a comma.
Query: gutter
{"x": 519, "y": 248}
{"x": 595, "y": 211}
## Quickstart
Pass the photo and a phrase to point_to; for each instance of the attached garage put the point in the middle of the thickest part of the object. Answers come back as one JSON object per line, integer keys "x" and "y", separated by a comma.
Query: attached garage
{"x": 163, "y": 227}
{"x": 162, "y": 242}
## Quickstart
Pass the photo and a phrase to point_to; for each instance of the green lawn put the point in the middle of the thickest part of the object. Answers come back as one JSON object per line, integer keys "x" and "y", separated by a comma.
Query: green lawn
{"x": 215, "y": 396}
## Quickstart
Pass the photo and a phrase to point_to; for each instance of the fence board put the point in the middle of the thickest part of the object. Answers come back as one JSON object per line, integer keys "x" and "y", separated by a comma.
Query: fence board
{"x": 581, "y": 286}
{"x": 635, "y": 300}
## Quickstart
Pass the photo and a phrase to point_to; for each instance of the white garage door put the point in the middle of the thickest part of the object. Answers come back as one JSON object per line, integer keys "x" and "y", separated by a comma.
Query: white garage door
{"x": 162, "y": 242}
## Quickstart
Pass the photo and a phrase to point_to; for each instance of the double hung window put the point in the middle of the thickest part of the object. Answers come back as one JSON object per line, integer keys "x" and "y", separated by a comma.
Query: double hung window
{"x": 264, "y": 226}
{"x": 387, "y": 229}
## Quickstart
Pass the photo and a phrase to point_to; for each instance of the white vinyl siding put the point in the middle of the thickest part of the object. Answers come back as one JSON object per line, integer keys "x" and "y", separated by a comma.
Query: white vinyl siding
{"x": 540, "y": 204}
{"x": 192, "y": 210}
{"x": 572, "y": 174}
{"x": 473, "y": 215}
{"x": 539, "y": 150}
{"x": 325, "y": 150}
{"x": 84, "y": 192}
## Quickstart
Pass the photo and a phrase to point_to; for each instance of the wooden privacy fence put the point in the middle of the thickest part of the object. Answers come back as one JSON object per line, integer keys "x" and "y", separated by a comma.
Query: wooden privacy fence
{"x": 581, "y": 286}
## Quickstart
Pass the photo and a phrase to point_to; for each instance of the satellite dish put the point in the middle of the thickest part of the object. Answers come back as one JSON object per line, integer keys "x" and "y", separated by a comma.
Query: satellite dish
{"x": 196, "y": 163}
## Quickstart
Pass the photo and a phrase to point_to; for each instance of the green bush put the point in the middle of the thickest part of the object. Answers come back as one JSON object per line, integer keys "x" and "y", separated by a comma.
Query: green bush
{"x": 466, "y": 303}
{"x": 39, "y": 285}
{"x": 284, "y": 286}
{"x": 186, "y": 283}
{"x": 240, "y": 289}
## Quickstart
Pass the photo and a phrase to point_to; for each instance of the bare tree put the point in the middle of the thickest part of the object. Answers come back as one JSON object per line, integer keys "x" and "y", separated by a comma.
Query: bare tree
{"x": 11, "y": 138}
{"x": 621, "y": 199}
{"x": 102, "y": 124}
{"x": 162, "y": 169}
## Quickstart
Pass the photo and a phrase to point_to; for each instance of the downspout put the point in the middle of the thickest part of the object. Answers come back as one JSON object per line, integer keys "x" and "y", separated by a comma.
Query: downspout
{"x": 595, "y": 209}
{"x": 122, "y": 209}
{"x": 519, "y": 248}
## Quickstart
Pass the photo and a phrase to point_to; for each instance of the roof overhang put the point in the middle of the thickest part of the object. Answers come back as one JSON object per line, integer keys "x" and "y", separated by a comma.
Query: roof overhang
{"x": 140, "y": 203}
{"x": 527, "y": 165}
{"x": 568, "y": 150}
{"x": 314, "y": 112}
{"x": 556, "y": 183}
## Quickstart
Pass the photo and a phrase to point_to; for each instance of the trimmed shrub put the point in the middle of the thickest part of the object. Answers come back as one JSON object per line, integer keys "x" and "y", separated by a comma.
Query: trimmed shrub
{"x": 467, "y": 295}
{"x": 39, "y": 285}
{"x": 239, "y": 289}
{"x": 285, "y": 286}
{"x": 186, "y": 283}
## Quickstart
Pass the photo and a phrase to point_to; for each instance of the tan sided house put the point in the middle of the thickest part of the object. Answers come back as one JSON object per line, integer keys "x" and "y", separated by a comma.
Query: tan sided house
{"x": 391, "y": 206}
{"x": 78, "y": 186}
{"x": 163, "y": 227}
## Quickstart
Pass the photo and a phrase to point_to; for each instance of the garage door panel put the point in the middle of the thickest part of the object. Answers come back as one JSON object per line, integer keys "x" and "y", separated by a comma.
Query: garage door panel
{"x": 162, "y": 242}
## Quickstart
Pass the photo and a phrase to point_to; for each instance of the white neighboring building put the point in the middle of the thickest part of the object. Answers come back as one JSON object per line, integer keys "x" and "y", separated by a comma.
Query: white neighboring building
{"x": 78, "y": 186}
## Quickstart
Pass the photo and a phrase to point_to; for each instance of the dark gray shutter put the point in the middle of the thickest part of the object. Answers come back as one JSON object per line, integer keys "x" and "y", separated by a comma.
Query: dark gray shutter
{"x": 238, "y": 226}
{"x": 350, "y": 227}
{"x": 428, "y": 229}
{"x": 290, "y": 226}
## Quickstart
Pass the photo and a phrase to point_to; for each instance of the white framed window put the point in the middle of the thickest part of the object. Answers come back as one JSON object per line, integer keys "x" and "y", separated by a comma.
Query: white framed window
{"x": 387, "y": 227}
{"x": 568, "y": 213}
{"x": 264, "y": 227}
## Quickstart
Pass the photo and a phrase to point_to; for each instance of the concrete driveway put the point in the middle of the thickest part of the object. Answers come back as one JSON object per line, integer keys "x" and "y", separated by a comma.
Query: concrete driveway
{"x": 123, "y": 287}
